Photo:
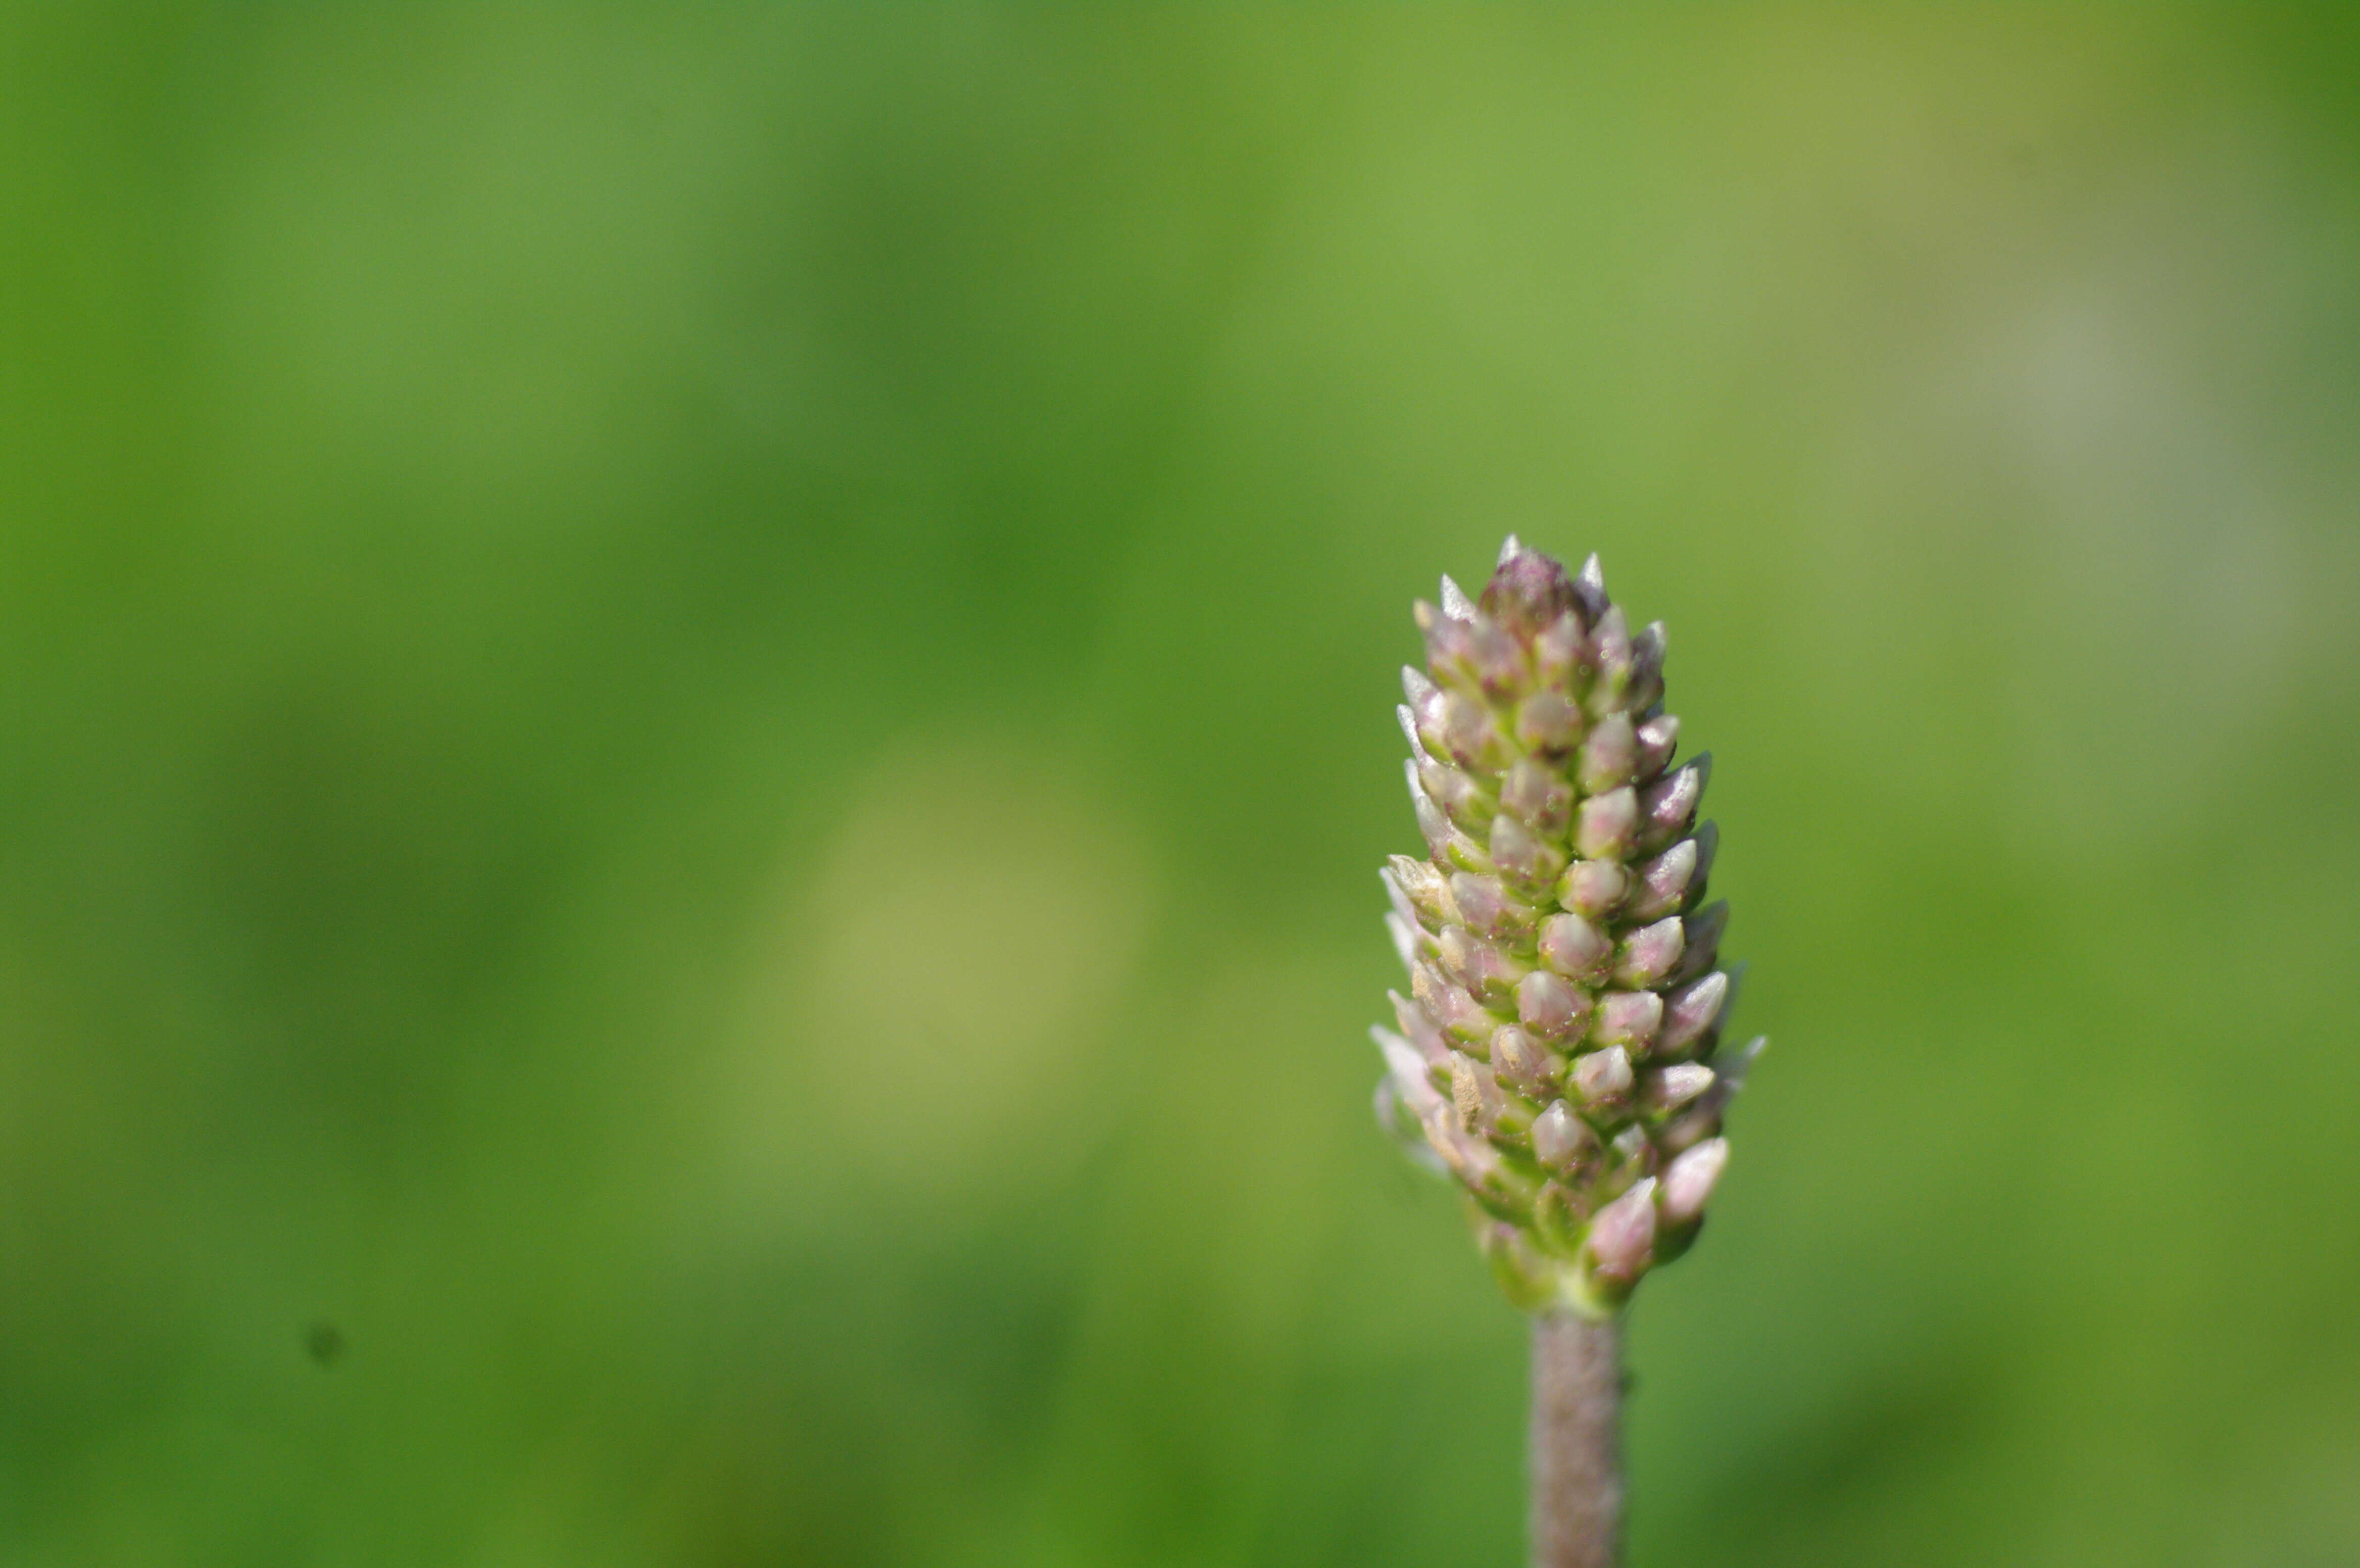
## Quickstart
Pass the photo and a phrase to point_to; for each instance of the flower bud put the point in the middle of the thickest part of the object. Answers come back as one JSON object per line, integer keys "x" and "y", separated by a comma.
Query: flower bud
{"x": 1670, "y": 1088}
{"x": 1537, "y": 798}
{"x": 1477, "y": 965}
{"x": 1602, "y": 1076}
{"x": 1424, "y": 705}
{"x": 1417, "y": 751}
{"x": 1693, "y": 1125}
{"x": 1550, "y": 1008}
{"x": 1562, "y": 655}
{"x": 1647, "y": 955}
{"x": 1573, "y": 947}
{"x": 1461, "y": 798}
{"x": 1468, "y": 736}
{"x": 1525, "y": 1276}
{"x": 1593, "y": 889}
{"x": 1609, "y": 647}
{"x": 1559, "y": 1210}
{"x": 1479, "y": 1168}
{"x": 1560, "y": 1138}
{"x": 1527, "y": 592}
{"x": 1663, "y": 882}
{"x": 1691, "y": 1011}
{"x": 1459, "y": 1016}
{"x": 1658, "y": 739}
{"x": 1623, "y": 1232}
{"x": 1689, "y": 1181}
{"x": 1485, "y": 905}
{"x": 1609, "y": 755}
{"x": 1499, "y": 660}
{"x": 1522, "y": 1062}
{"x": 1448, "y": 846}
{"x": 1549, "y": 724}
{"x": 1518, "y": 851}
{"x": 1405, "y": 1126}
{"x": 1629, "y": 1019}
{"x": 1423, "y": 888}
{"x": 1606, "y": 824}
{"x": 1670, "y": 805}
{"x": 1446, "y": 643}
{"x": 1630, "y": 1155}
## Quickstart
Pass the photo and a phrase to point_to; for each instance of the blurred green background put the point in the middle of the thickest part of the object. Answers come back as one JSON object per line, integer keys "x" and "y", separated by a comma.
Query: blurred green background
{"x": 698, "y": 718}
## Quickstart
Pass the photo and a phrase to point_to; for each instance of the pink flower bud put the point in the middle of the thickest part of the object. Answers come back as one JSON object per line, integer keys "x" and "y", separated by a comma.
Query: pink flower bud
{"x": 1691, "y": 1178}
{"x": 1550, "y": 1008}
{"x": 1623, "y": 1232}
{"x": 1594, "y": 889}
{"x": 1607, "y": 824}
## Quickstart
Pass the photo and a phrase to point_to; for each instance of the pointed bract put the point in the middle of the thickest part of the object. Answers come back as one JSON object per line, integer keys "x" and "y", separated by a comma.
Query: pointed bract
{"x": 1590, "y": 590}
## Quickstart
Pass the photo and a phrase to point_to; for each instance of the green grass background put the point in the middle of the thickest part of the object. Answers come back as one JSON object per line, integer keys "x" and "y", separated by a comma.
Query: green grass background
{"x": 697, "y": 717}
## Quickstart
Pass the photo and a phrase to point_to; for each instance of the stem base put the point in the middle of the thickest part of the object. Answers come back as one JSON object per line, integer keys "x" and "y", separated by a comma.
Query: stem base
{"x": 1576, "y": 1440}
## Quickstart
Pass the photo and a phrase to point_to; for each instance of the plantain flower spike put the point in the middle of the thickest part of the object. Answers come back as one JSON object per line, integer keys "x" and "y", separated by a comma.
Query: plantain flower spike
{"x": 1558, "y": 1053}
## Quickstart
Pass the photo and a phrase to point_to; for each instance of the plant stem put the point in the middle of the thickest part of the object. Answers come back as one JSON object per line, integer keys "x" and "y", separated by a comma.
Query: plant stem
{"x": 1576, "y": 1443}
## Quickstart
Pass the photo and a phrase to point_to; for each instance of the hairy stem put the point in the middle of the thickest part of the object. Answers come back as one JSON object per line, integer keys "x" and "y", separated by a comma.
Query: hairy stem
{"x": 1577, "y": 1445}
